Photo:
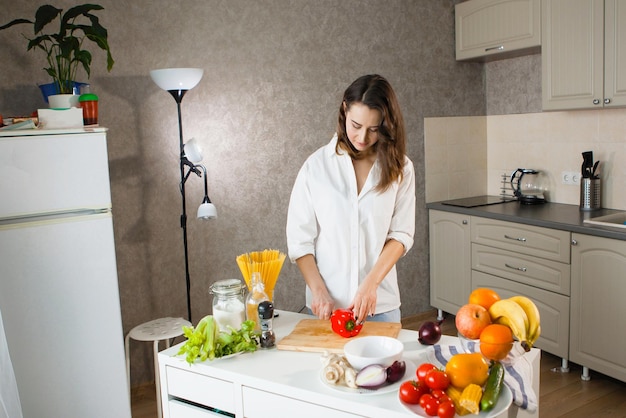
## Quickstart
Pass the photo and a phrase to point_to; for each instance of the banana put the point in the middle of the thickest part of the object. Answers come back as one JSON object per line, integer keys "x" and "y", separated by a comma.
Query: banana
{"x": 534, "y": 327}
{"x": 507, "y": 312}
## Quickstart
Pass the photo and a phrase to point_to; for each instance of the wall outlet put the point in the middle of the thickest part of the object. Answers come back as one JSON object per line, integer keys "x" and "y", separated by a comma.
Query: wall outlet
{"x": 570, "y": 177}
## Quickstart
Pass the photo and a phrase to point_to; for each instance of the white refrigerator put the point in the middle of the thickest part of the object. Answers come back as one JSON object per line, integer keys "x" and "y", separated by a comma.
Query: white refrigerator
{"x": 59, "y": 294}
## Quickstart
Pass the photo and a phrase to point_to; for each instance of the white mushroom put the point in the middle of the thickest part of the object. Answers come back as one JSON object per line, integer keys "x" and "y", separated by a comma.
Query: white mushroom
{"x": 350, "y": 377}
{"x": 328, "y": 358}
{"x": 333, "y": 373}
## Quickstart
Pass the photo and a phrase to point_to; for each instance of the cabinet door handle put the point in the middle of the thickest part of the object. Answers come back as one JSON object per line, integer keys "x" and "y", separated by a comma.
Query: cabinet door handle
{"x": 523, "y": 269}
{"x": 515, "y": 238}
{"x": 464, "y": 221}
{"x": 607, "y": 101}
{"x": 574, "y": 242}
{"x": 596, "y": 101}
{"x": 499, "y": 48}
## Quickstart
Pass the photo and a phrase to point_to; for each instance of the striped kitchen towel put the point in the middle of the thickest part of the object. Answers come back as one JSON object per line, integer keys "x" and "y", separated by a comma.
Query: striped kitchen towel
{"x": 518, "y": 376}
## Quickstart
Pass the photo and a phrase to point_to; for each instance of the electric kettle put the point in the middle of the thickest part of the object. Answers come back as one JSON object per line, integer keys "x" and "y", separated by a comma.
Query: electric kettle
{"x": 528, "y": 186}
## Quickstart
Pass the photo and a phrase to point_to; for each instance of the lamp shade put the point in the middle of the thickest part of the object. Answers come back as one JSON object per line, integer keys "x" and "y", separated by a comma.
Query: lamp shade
{"x": 177, "y": 78}
{"x": 193, "y": 151}
{"x": 207, "y": 211}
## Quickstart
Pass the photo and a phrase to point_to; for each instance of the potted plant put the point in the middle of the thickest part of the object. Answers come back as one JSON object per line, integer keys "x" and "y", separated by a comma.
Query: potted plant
{"x": 65, "y": 46}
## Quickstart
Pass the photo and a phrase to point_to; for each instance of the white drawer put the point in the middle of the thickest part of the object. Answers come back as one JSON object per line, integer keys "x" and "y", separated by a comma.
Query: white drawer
{"x": 553, "y": 308}
{"x": 541, "y": 242}
{"x": 261, "y": 404}
{"x": 534, "y": 271}
{"x": 178, "y": 409}
{"x": 203, "y": 390}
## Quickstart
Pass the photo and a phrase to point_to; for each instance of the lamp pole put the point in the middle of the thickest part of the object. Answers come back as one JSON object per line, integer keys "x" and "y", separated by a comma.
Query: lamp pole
{"x": 178, "y": 96}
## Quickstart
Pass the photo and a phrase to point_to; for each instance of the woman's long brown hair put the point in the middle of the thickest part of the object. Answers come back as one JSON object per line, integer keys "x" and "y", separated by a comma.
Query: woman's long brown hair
{"x": 376, "y": 93}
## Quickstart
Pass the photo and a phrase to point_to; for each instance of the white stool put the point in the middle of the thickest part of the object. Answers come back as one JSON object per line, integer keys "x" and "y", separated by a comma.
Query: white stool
{"x": 155, "y": 330}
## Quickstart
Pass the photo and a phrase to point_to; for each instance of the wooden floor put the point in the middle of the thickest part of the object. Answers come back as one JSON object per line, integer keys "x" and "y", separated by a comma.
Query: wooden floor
{"x": 562, "y": 394}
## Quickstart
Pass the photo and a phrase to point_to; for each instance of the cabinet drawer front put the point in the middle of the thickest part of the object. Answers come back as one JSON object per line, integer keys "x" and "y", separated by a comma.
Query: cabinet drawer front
{"x": 546, "y": 243}
{"x": 553, "y": 308}
{"x": 538, "y": 272}
{"x": 178, "y": 409}
{"x": 261, "y": 404}
{"x": 203, "y": 390}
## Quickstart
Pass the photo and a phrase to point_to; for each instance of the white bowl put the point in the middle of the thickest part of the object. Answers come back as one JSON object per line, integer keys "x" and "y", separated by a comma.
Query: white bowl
{"x": 363, "y": 351}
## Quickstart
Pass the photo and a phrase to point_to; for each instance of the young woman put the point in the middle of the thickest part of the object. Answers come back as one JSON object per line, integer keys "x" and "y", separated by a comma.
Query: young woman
{"x": 352, "y": 208}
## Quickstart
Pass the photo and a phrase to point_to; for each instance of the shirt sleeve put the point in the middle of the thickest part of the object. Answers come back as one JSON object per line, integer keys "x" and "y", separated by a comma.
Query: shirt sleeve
{"x": 402, "y": 228}
{"x": 301, "y": 222}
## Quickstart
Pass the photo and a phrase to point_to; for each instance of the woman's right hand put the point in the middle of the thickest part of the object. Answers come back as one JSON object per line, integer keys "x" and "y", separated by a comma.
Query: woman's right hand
{"x": 322, "y": 305}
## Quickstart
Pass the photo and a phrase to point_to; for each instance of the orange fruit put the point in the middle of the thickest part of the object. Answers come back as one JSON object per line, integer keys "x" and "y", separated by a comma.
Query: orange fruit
{"x": 496, "y": 341}
{"x": 484, "y": 297}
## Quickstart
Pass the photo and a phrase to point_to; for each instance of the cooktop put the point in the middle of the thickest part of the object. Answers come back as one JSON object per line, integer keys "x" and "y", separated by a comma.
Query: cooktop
{"x": 472, "y": 202}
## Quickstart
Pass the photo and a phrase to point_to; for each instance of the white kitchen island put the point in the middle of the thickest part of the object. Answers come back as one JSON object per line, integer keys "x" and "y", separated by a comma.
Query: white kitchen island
{"x": 277, "y": 383}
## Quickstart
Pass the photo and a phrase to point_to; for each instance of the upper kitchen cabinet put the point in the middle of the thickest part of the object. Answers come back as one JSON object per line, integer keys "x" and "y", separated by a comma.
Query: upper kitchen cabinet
{"x": 495, "y": 29}
{"x": 583, "y": 54}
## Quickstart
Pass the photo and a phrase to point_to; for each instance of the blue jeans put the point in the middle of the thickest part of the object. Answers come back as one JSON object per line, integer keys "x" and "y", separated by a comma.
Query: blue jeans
{"x": 390, "y": 316}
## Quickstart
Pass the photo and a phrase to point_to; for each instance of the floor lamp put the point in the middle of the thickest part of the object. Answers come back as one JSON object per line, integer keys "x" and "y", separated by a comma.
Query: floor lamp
{"x": 177, "y": 81}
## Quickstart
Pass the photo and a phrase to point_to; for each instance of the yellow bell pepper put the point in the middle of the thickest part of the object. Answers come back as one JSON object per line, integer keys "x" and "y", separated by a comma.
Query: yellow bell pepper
{"x": 467, "y": 368}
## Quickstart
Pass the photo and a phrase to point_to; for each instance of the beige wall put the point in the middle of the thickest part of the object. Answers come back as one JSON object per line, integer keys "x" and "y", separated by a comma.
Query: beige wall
{"x": 466, "y": 156}
{"x": 274, "y": 74}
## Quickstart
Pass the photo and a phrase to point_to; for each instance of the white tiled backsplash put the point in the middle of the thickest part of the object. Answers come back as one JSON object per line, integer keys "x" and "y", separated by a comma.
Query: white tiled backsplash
{"x": 466, "y": 156}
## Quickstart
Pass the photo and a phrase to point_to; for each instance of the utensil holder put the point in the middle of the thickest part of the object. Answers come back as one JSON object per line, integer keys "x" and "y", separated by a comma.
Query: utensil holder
{"x": 590, "y": 193}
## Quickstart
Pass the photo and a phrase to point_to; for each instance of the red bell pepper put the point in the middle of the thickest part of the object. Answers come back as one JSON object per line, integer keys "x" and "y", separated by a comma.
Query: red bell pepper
{"x": 344, "y": 324}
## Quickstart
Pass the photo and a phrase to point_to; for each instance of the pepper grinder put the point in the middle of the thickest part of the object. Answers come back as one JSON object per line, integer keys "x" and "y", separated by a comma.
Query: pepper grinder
{"x": 266, "y": 315}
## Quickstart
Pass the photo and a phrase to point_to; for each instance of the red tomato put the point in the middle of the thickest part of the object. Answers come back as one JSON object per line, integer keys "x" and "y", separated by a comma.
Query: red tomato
{"x": 425, "y": 398}
{"x": 430, "y": 404}
{"x": 437, "y": 379}
{"x": 423, "y": 370}
{"x": 411, "y": 392}
{"x": 446, "y": 409}
{"x": 438, "y": 393}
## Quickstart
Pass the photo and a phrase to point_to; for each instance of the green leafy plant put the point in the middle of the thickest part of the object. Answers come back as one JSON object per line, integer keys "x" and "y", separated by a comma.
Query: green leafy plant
{"x": 65, "y": 49}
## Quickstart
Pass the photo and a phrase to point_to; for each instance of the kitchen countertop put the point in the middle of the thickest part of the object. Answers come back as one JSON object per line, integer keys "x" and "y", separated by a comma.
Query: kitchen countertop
{"x": 549, "y": 215}
{"x": 290, "y": 380}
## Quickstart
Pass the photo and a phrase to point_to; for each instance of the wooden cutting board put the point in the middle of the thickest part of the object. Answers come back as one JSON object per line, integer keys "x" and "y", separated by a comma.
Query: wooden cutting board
{"x": 317, "y": 335}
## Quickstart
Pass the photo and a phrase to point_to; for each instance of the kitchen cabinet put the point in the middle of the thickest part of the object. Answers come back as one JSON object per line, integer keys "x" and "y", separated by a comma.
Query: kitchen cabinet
{"x": 598, "y": 310}
{"x": 450, "y": 260}
{"x": 467, "y": 252}
{"x": 494, "y": 29}
{"x": 583, "y": 54}
{"x": 527, "y": 260}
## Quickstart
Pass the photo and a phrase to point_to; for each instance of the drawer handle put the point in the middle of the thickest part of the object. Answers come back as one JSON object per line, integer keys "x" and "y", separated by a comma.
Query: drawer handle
{"x": 498, "y": 48}
{"x": 523, "y": 269}
{"x": 515, "y": 238}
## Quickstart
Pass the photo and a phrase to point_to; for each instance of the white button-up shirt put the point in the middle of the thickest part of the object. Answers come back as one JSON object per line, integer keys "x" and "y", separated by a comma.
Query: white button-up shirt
{"x": 345, "y": 231}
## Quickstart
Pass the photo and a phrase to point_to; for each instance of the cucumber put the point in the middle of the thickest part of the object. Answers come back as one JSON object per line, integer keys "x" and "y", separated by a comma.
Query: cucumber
{"x": 493, "y": 387}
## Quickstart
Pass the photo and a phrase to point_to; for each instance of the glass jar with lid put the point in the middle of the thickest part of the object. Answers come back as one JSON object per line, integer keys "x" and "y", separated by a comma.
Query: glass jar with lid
{"x": 229, "y": 309}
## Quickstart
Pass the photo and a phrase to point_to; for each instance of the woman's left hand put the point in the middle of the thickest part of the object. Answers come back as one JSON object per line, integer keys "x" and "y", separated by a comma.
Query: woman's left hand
{"x": 364, "y": 302}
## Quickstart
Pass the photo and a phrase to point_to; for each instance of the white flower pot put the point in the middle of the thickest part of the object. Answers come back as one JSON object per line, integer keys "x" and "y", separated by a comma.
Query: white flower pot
{"x": 63, "y": 101}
